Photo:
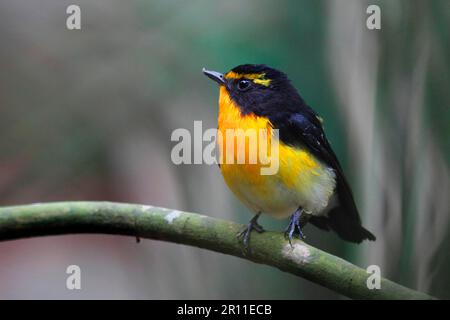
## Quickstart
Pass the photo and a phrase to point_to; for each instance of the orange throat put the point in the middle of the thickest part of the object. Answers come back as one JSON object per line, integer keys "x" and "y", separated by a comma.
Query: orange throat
{"x": 233, "y": 125}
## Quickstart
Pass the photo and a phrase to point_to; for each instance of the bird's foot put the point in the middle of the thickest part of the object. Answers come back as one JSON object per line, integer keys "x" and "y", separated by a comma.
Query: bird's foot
{"x": 294, "y": 226}
{"x": 244, "y": 234}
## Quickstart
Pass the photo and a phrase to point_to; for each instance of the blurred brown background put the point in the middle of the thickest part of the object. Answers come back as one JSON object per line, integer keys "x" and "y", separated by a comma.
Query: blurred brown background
{"x": 88, "y": 114}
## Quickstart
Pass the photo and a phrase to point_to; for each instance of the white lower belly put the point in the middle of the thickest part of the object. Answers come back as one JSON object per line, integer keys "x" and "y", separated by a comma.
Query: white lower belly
{"x": 277, "y": 200}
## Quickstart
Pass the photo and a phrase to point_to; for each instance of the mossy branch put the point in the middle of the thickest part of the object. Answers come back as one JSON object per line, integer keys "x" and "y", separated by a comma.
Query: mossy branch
{"x": 142, "y": 221}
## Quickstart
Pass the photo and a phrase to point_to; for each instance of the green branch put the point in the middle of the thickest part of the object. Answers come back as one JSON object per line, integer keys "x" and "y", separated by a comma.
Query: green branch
{"x": 196, "y": 230}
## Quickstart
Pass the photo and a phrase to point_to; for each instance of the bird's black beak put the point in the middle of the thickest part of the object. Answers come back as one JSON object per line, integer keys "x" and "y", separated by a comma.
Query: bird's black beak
{"x": 214, "y": 75}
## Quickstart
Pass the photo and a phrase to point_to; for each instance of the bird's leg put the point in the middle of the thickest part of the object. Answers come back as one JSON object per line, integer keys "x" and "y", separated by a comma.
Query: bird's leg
{"x": 253, "y": 224}
{"x": 297, "y": 222}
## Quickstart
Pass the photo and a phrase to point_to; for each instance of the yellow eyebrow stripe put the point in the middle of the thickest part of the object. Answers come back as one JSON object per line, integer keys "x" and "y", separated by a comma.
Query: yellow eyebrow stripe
{"x": 250, "y": 76}
{"x": 264, "y": 82}
{"x": 255, "y": 77}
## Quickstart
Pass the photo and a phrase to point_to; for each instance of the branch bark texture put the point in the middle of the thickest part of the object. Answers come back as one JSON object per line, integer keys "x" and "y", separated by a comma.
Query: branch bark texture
{"x": 270, "y": 248}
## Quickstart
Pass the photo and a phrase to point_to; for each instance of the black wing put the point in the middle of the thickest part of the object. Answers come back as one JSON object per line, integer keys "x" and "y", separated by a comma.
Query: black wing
{"x": 305, "y": 129}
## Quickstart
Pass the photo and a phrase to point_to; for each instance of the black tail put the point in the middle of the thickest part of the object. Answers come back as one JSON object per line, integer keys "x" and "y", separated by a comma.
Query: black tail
{"x": 344, "y": 219}
{"x": 346, "y": 229}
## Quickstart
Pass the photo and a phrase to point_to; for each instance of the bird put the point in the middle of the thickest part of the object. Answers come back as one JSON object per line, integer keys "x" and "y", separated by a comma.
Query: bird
{"x": 309, "y": 185}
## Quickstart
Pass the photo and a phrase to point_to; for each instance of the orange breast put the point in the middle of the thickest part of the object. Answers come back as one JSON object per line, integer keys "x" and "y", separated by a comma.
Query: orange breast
{"x": 247, "y": 133}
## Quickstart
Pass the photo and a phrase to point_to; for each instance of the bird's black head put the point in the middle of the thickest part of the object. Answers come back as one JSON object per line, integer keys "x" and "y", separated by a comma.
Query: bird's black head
{"x": 258, "y": 89}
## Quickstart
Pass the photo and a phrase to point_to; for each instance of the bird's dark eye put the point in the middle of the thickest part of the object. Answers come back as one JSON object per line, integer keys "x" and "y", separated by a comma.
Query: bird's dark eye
{"x": 243, "y": 84}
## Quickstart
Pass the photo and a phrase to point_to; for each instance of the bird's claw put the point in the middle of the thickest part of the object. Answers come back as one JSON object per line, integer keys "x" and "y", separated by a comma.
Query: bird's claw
{"x": 294, "y": 227}
{"x": 244, "y": 234}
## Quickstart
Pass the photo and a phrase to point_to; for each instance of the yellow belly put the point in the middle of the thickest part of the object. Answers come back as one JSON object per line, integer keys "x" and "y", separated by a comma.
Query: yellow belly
{"x": 301, "y": 179}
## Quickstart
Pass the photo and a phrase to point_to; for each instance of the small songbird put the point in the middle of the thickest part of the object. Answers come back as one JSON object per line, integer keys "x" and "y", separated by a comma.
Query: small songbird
{"x": 309, "y": 185}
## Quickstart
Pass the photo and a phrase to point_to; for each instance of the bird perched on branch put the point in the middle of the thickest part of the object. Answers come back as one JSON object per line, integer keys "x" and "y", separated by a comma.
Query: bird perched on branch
{"x": 309, "y": 185}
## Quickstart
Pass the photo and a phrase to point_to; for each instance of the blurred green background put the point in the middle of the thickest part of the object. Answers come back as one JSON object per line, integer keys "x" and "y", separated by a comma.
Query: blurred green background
{"x": 88, "y": 115}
